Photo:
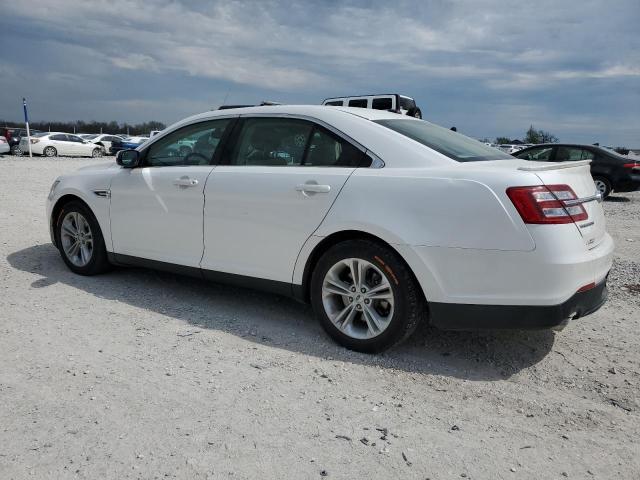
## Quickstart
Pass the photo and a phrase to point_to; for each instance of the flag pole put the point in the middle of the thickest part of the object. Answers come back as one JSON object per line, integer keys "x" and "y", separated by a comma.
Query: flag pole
{"x": 26, "y": 122}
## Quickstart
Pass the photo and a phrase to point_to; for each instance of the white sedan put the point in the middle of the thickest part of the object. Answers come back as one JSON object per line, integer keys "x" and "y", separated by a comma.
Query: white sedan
{"x": 4, "y": 145}
{"x": 53, "y": 144}
{"x": 103, "y": 139}
{"x": 380, "y": 221}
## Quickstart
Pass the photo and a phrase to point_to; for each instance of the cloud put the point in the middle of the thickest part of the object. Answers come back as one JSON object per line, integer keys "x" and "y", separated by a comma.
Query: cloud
{"x": 569, "y": 58}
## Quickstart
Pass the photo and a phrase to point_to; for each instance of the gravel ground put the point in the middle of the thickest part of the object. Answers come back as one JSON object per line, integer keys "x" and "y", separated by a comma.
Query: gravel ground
{"x": 139, "y": 374}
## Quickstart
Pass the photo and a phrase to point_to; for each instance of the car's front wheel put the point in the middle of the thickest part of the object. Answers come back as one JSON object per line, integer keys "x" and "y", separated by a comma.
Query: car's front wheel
{"x": 97, "y": 152}
{"x": 365, "y": 296}
{"x": 79, "y": 239}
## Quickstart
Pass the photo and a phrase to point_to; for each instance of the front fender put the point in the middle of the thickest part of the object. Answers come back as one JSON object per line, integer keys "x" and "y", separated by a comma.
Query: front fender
{"x": 84, "y": 190}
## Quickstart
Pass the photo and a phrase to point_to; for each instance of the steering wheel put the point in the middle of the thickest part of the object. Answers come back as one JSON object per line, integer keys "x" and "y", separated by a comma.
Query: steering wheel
{"x": 186, "y": 160}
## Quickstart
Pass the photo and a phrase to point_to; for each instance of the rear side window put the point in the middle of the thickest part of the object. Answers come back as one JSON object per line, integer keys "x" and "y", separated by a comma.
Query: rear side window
{"x": 570, "y": 154}
{"x": 407, "y": 103}
{"x": 382, "y": 103}
{"x": 328, "y": 150}
{"x": 542, "y": 154}
{"x": 335, "y": 103}
{"x": 271, "y": 142}
{"x": 442, "y": 140}
{"x": 358, "y": 102}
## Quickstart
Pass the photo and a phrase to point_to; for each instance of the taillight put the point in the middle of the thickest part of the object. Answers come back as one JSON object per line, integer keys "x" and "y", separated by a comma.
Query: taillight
{"x": 547, "y": 204}
{"x": 634, "y": 165}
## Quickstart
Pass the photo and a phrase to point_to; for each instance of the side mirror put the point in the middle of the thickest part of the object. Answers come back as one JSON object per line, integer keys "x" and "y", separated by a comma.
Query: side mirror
{"x": 128, "y": 158}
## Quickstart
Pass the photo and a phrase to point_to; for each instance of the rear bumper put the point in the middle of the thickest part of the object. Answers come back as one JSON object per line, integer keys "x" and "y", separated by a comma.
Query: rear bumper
{"x": 451, "y": 316}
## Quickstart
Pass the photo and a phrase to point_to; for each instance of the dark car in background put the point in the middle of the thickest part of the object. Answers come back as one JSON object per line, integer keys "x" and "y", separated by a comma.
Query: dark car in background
{"x": 128, "y": 143}
{"x": 611, "y": 171}
{"x": 13, "y": 136}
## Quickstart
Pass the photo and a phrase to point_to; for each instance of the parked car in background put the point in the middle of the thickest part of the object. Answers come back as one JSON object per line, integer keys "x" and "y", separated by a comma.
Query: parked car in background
{"x": 380, "y": 221}
{"x": 105, "y": 140}
{"x": 4, "y": 145}
{"x": 126, "y": 143}
{"x": 611, "y": 171}
{"x": 511, "y": 148}
{"x": 54, "y": 144}
{"x": 13, "y": 136}
{"x": 392, "y": 102}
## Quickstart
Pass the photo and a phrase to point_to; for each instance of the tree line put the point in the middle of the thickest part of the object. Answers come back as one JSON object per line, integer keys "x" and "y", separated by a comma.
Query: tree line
{"x": 531, "y": 136}
{"x": 540, "y": 136}
{"x": 92, "y": 127}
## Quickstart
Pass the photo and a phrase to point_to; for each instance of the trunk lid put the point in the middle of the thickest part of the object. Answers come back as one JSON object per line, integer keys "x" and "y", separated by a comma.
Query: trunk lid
{"x": 578, "y": 176}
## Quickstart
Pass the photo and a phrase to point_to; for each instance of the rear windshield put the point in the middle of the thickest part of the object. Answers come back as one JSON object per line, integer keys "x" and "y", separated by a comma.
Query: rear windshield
{"x": 452, "y": 144}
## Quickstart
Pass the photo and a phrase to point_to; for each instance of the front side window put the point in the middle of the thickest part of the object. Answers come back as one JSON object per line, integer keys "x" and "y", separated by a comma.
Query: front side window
{"x": 335, "y": 103}
{"x": 271, "y": 142}
{"x": 451, "y": 144}
{"x": 58, "y": 138}
{"x": 541, "y": 154}
{"x": 194, "y": 144}
{"x": 383, "y": 103}
{"x": 570, "y": 154}
{"x": 74, "y": 138}
{"x": 358, "y": 102}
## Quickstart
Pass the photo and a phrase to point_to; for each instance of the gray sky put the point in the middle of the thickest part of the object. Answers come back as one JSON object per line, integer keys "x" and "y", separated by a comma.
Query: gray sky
{"x": 490, "y": 68}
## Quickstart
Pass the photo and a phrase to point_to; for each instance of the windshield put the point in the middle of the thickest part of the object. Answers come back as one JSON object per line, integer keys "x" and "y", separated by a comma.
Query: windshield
{"x": 454, "y": 145}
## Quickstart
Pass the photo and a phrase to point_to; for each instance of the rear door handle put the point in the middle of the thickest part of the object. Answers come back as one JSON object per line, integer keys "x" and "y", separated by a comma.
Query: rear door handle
{"x": 185, "y": 182}
{"x": 313, "y": 188}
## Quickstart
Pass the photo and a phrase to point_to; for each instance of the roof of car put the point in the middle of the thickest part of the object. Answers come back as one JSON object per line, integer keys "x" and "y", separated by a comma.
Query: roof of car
{"x": 321, "y": 112}
{"x": 563, "y": 145}
{"x": 369, "y": 95}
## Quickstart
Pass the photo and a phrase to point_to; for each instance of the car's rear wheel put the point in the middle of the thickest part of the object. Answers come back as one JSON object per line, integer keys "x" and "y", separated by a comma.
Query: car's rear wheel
{"x": 97, "y": 152}
{"x": 365, "y": 296}
{"x": 16, "y": 150}
{"x": 50, "y": 152}
{"x": 603, "y": 185}
{"x": 79, "y": 239}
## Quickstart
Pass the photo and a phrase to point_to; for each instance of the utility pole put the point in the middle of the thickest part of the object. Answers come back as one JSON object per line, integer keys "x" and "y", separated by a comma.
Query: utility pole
{"x": 26, "y": 122}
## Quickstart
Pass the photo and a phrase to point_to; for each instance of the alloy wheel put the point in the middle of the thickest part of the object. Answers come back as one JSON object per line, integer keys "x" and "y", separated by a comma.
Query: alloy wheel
{"x": 358, "y": 298}
{"x": 77, "y": 239}
{"x": 601, "y": 187}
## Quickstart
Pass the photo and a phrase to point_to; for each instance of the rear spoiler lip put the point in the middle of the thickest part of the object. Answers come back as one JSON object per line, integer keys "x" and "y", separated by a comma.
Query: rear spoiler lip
{"x": 555, "y": 166}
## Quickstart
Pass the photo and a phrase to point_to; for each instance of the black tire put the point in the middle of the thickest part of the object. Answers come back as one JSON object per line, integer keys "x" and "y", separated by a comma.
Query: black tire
{"x": 50, "y": 152}
{"x": 99, "y": 262}
{"x": 603, "y": 185}
{"x": 97, "y": 152}
{"x": 16, "y": 150}
{"x": 410, "y": 305}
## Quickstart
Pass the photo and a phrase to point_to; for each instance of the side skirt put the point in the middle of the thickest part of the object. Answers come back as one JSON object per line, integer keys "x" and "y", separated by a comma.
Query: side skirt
{"x": 272, "y": 286}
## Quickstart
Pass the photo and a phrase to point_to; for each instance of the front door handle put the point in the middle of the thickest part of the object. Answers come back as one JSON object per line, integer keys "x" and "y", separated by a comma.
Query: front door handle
{"x": 313, "y": 188}
{"x": 185, "y": 182}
